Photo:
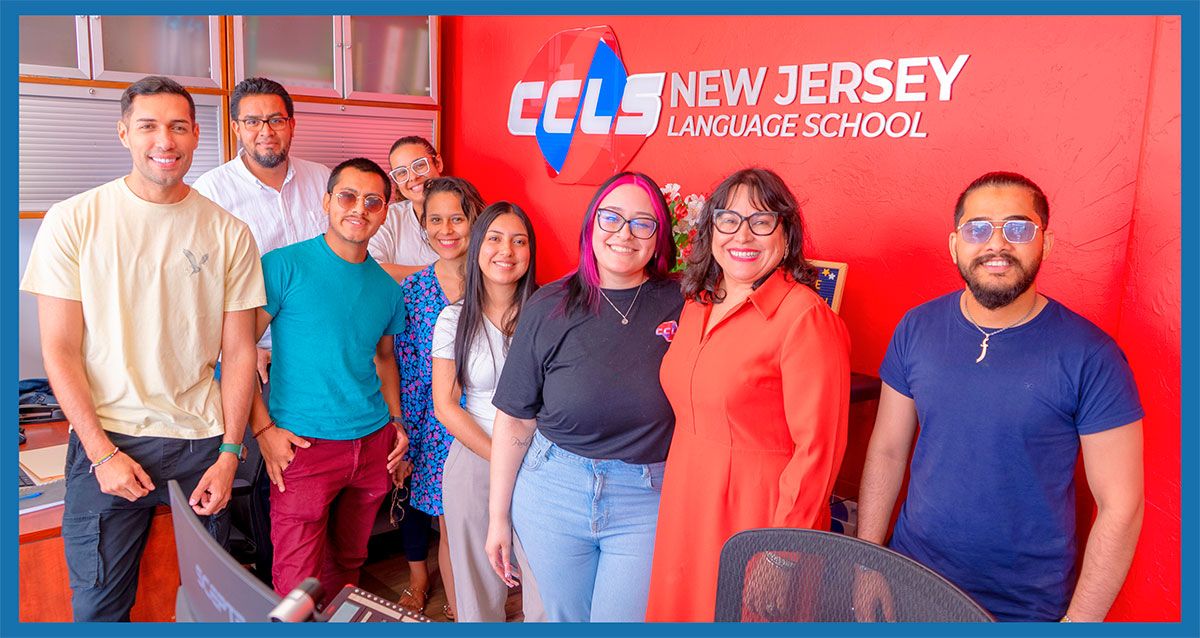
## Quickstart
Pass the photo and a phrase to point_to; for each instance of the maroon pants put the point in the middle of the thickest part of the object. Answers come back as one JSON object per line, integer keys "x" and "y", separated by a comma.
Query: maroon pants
{"x": 320, "y": 526}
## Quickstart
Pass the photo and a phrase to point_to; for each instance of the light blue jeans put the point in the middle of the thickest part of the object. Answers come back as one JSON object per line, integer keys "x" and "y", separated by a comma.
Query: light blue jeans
{"x": 588, "y": 530}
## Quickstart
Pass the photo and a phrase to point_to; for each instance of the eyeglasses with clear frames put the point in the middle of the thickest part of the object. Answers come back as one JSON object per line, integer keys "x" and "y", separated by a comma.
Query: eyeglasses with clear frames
{"x": 371, "y": 203}
{"x": 1016, "y": 231}
{"x": 419, "y": 166}
{"x": 277, "y": 123}
{"x": 610, "y": 221}
{"x": 728, "y": 222}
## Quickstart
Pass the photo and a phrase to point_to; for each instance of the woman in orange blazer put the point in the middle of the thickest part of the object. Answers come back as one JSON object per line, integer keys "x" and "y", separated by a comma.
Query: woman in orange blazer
{"x": 758, "y": 374}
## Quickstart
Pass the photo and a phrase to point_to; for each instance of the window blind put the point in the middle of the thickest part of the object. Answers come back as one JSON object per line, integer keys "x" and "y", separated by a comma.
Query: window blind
{"x": 329, "y": 135}
{"x": 68, "y": 142}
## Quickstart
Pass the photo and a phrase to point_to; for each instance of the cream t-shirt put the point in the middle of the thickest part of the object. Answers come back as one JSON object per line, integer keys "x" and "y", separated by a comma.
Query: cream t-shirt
{"x": 154, "y": 281}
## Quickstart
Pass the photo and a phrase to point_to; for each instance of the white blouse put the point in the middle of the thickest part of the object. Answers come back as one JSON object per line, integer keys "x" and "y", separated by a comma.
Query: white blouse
{"x": 484, "y": 364}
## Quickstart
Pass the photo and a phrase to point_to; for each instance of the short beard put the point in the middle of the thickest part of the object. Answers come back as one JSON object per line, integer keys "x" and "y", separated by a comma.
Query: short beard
{"x": 270, "y": 160}
{"x": 344, "y": 238}
{"x": 993, "y": 298}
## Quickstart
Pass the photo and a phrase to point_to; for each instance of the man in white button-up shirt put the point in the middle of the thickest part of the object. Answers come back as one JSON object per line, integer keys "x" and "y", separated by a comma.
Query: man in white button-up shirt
{"x": 279, "y": 197}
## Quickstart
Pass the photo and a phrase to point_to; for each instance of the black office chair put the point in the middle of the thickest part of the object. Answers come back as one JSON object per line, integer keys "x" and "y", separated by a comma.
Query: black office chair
{"x": 250, "y": 508}
{"x": 804, "y": 575}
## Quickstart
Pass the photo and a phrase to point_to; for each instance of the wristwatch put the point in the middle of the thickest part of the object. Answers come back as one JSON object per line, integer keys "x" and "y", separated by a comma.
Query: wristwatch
{"x": 235, "y": 449}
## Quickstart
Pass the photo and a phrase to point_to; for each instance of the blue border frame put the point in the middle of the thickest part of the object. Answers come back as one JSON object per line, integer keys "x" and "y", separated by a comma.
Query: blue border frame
{"x": 1187, "y": 9}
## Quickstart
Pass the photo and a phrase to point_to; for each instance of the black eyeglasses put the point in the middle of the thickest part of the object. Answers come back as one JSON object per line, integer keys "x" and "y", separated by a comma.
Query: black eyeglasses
{"x": 371, "y": 202}
{"x": 610, "y": 221}
{"x": 728, "y": 222}
{"x": 277, "y": 123}
{"x": 1016, "y": 231}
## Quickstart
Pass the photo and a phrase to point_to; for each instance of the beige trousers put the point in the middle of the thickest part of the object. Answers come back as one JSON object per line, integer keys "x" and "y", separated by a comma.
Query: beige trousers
{"x": 480, "y": 592}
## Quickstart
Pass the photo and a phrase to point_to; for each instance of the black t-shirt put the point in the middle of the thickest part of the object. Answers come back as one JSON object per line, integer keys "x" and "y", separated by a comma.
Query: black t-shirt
{"x": 591, "y": 382}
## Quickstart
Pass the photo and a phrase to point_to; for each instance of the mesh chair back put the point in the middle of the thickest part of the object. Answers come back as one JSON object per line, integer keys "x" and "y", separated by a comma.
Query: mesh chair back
{"x": 804, "y": 575}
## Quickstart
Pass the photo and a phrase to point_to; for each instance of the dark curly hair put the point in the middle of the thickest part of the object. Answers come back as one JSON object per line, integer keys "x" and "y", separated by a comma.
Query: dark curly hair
{"x": 767, "y": 192}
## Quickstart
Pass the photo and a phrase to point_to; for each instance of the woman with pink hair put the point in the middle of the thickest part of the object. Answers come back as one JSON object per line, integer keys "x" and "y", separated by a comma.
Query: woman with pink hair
{"x": 582, "y": 428}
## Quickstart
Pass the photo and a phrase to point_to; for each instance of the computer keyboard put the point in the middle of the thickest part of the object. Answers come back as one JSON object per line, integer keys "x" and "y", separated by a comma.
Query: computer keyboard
{"x": 25, "y": 480}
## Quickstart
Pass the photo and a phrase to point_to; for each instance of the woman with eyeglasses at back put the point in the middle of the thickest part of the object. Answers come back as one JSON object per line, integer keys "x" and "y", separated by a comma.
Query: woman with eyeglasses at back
{"x": 451, "y": 206}
{"x": 401, "y": 240}
{"x": 759, "y": 377}
{"x": 582, "y": 426}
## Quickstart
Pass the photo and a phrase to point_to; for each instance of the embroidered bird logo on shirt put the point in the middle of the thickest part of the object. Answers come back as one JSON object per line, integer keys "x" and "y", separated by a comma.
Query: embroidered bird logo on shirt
{"x": 194, "y": 262}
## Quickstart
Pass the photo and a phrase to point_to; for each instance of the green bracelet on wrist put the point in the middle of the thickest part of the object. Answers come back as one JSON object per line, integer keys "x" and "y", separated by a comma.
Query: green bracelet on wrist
{"x": 104, "y": 459}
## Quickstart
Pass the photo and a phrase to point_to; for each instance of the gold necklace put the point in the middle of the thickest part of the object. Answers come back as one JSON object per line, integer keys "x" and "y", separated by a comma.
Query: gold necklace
{"x": 983, "y": 345}
{"x": 624, "y": 315}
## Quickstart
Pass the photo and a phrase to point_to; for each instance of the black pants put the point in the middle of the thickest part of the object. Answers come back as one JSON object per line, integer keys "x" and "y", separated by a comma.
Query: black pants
{"x": 105, "y": 535}
{"x": 414, "y": 526}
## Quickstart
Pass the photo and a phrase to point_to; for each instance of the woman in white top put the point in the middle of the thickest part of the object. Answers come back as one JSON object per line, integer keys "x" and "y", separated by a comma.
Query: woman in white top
{"x": 470, "y": 344}
{"x": 401, "y": 239}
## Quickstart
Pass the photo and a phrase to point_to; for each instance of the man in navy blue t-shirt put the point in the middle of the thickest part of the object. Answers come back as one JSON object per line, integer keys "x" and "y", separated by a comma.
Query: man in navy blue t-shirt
{"x": 1007, "y": 386}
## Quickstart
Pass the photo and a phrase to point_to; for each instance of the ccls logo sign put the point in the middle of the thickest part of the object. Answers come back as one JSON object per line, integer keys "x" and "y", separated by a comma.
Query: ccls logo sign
{"x": 588, "y": 115}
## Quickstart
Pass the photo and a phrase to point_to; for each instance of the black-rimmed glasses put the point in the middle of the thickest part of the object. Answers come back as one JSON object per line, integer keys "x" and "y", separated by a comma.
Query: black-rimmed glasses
{"x": 610, "y": 221}
{"x": 728, "y": 222}
{"x": 277, "y": 123}
{"x": 402, "y": 174}
{"x": 1016, "y": 231}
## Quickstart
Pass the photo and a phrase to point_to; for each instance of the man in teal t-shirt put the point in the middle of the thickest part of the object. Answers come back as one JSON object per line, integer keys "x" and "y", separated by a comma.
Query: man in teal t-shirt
{"x": 330, "y": 435}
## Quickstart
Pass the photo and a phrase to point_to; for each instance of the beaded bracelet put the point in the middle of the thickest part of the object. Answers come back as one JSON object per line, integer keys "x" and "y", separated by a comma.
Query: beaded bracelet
{"x": 264, "y": 429}
{"x": 104, "y": 460}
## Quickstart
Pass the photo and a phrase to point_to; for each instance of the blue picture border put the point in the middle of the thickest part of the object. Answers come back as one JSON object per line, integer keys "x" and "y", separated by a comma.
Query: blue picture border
{"x": 1187, "y": 9}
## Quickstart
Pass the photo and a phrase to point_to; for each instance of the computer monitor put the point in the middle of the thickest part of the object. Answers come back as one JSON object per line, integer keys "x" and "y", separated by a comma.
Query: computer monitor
{"x": 215, "y": 588}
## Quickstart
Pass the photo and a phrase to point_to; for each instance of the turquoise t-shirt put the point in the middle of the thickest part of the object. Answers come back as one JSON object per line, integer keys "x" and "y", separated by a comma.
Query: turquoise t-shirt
{"x": 328, "y": 316}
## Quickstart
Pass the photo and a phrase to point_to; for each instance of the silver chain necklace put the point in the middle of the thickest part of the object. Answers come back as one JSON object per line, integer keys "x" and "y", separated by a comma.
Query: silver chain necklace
{"x": 983, "y": 345}
{"x": 624, "y": 315}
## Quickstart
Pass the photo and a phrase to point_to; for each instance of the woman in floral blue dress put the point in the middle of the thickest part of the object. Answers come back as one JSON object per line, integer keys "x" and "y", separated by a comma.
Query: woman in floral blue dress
{"x": 451, "y": 205}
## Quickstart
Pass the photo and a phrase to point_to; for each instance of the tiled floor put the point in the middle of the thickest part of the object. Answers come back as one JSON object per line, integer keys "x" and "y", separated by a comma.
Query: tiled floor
{"x": 386, "y": 573}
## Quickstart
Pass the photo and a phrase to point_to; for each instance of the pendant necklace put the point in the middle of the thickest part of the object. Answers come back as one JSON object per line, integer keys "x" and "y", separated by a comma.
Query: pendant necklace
{"x": 983, "y": 345}
{"x": 624, "y": 315}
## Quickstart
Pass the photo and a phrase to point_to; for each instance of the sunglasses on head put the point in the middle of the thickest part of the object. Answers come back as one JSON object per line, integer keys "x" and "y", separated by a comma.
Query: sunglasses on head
{"x": 1016, "y": 231}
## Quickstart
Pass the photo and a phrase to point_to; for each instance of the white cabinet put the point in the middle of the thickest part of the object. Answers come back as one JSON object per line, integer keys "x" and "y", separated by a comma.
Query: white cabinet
{"x": 123, "y": 48}
{"x": 55, "y": 46}
{"x": 379, "y": 58}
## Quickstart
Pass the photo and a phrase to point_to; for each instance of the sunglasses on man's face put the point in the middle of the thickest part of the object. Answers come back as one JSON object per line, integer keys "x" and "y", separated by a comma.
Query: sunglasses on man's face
{"x": 371, "y": 203}
{"x": 1016, "y": 231}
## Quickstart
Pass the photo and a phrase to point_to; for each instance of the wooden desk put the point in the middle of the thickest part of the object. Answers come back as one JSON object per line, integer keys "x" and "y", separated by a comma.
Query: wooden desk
{"x": 45, "y": 593}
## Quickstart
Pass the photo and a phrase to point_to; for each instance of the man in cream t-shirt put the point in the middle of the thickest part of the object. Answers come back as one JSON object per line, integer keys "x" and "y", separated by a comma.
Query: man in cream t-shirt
{"x": 141, "y": 283}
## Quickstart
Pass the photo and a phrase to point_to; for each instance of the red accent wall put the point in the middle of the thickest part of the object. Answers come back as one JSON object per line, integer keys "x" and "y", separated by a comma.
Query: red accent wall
{"x": 1088, "y": 107}
{"x": 1148, "y": 330}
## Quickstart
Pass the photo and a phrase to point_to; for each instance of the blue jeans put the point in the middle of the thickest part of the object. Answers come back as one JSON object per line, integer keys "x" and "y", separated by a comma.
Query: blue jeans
{"x": 588, "y": 530}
